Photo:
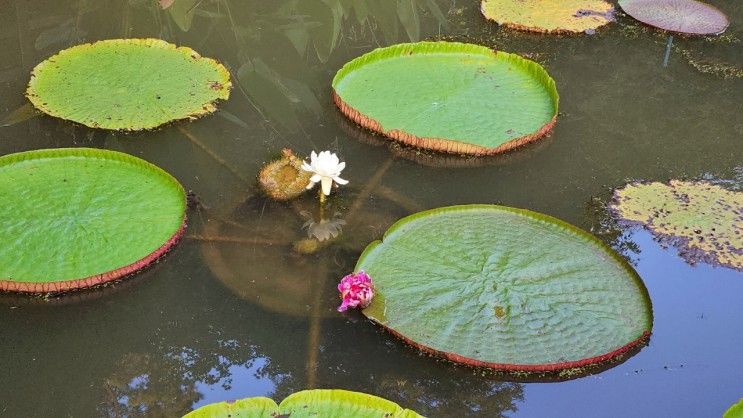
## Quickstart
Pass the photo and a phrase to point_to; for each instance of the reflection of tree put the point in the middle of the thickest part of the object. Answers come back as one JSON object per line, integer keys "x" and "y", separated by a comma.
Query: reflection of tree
{"x": 608, "y": 228}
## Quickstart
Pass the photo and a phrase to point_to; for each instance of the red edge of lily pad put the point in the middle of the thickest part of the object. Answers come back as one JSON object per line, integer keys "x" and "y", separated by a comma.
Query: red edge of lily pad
{"x": 529, "y": 368}
{"x": 98, "y": 279}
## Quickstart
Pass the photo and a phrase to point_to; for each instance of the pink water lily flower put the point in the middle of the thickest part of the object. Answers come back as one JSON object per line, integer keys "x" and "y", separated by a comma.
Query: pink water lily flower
{"x": 357, "y": 291}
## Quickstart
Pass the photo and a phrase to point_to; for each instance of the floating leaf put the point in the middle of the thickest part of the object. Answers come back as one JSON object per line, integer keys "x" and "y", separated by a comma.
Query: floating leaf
{"x": 735, "y": 411}
{"x": 451, "y": 97}
{"x": 128, "y": 84}
{"x": 326, "y": 403}
{"x": 505, "y": 288}
{"x": 284, "y": 179}
{"x": 703, "y": 220}
{"x": 572, "y": 16}
{"x": 78, "y": 217}
{"x": 684, "y": 16}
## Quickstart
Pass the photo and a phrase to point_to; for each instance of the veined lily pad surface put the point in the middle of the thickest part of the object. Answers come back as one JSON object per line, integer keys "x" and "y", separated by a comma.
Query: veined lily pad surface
{"x": 128, "y": 84}
{"x": 505, "y": 288}
{"x": 326, "y": 403}
{"x": 563, "y": 16}
{"x": 684, "y": 16}
{"x": 735, "y": 411}
{"x": 78, "y": 217}
{"x": 703, "y": 220}
{"x": 446, "y": 96}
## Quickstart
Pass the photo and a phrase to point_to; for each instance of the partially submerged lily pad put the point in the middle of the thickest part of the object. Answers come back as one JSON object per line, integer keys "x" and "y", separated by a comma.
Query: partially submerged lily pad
{"x": 735, "y": 411}
{"x": 446, "y": 96}
{"x": 507, "y": 289}
{"x": 78, "y": 217}
{"x": 128, "y": 84}
{"x": 684, "y": 16}
{"x": 703, "y": 220}
{"x": 326, "y": 403}
{"x": 284, "y": 179}
{"x": 551, "y": 16}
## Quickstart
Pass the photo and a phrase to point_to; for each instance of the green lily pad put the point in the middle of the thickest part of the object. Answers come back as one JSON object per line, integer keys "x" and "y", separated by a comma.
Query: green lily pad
{"x": 446, "y": 96}
{"x": 326, "y": 403}
{"x": 78, "y": 217}
{"x": 505, "y": 288}
{"x": 128, "y": 84}
{"x": 549, "y": 16}
{"x": 703, "y": 220}
{"x": 735, "y": 411}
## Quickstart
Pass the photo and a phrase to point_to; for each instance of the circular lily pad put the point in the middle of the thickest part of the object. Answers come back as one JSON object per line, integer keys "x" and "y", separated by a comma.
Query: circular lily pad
{"x": 505, "y": 288}
{"x": 684, "y": 16}
{"x": 451, "y": 97}
{"x": 128, "y": 84}
{"x": 703, "y": 220}
{"x": 326, "y": 403}
{"x": 550, "y": 16}
{"x": 78, "y": 217}
{"x": 735, "y": 411}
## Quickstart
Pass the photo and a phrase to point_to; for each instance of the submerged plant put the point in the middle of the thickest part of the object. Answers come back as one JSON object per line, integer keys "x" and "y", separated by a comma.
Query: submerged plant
{"x": 357, "y": 291}
{"x": 326, "y": 169}
{"x": 703, "y": 220}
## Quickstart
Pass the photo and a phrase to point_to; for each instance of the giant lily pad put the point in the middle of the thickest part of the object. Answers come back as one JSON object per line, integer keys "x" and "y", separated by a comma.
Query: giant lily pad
{"x": 506, "y": 288}
{"x": 703, "y": 220}
{"x": 326, "y": 403}
{"x": 549, "y": 15}
{"x": 78, "y": 217}
{"x": 450, "y": 97}
{"x": 128, "y": 84}
{"x": 735, "y": 411}
{"x": 684, "y": 16}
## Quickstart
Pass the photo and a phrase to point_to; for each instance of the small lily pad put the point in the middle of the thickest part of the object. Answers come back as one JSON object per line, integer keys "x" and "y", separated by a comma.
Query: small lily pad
{"x": 77, "y": 217}
{"x": 703, "y": 220}
{"x": 450, "y": 97}
{"x": 326, "y": 403}
{"x": 550, "y": 16}
{"x": 128, "y": 84}
{"x": 735, "y": 411}
{"x": 507, "y": 289}
{"x": 684, "y": 16}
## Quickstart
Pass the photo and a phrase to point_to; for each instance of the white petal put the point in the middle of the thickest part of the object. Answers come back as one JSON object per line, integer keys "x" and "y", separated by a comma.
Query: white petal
{"x": 311, "y": 185}
{"x": 340, "y": 167}
{"x": 315, "y": 178}
{"x": 313, "y": 156}
{"x": 307, "y": 167}
{"x": 340, "y": 180}
{"x": 327, "y": 183}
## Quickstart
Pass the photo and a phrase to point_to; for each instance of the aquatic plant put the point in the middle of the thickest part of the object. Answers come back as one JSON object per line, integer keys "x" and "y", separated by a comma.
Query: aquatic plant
{"x": 684, "y": 16}
{"x": 128, "y": 84}
{"x": 284, "y": 178}
{"x": 447, "y": 96}
{"x": 549, "y": 16}
{"x": 704, "y": 221}
{"x": 326, "y": 403}
{"x": 735, "y": 411}
{"x": 326, "y": 169}
{"x": 357, "y": 291}
{"x": 506, "y": 288}
{"x": 77, "y": 217}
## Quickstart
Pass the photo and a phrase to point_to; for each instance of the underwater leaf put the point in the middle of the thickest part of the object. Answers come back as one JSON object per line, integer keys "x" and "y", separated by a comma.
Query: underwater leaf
{"x": 267, "y": 91}
{"x": 182, "y": 13}
{"x": 735, "y": 411}
{"x": 407, "y": 10}
{"x": 549, "y": 16}
{"x": 21, "y": 114}
{"x": 325, "y": 403}
{"x": 703, "y": 220}
{"x": 128, "y": 84}
{"x": 446, "y": 96}
{"x": 505, "y": 288}
{"x": 78, "y": 217}
{"x": 164, "y": 4}
{"x": 684, "y": 16}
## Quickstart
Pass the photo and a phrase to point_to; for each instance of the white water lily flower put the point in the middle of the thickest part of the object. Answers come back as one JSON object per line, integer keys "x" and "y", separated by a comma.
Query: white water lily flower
{"x": 326, "y": 169}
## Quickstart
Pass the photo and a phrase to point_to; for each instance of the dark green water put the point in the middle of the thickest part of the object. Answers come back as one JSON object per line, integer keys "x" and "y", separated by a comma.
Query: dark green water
{"x": 226, "y": 320}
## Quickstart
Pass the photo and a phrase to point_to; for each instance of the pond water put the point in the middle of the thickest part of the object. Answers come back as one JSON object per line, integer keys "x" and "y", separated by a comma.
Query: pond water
{"x": 234, "y": 312}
